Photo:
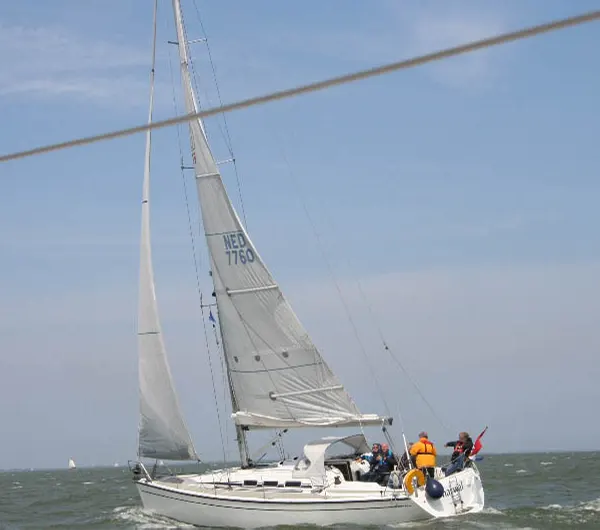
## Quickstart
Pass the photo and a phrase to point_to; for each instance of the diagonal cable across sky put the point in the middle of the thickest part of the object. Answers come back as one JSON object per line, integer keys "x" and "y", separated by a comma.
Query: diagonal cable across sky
{"x": 504, "y": 38}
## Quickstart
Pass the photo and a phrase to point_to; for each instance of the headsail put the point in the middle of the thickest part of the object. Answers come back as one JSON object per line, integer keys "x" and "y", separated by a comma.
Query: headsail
{"x": 162, "y": 430}
{"x": 277, "y": 376}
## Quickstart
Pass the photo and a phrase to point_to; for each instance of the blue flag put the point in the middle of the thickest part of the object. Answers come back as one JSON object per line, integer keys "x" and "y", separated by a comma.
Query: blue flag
{"x": 211, "y": 318}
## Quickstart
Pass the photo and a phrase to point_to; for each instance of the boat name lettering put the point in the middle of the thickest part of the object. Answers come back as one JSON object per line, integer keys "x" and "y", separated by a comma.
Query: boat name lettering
{"x": 455, "y": 489}
{"x": 237, "y": 249}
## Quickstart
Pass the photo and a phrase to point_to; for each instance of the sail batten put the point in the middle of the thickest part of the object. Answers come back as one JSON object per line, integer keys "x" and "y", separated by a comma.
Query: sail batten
{"x": 267, "y": 350}
{"x": 162, "y": 431}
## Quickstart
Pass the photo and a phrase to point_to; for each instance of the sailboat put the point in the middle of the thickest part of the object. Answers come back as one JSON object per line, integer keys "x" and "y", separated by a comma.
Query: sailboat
{"x": 277, "y": 379}
{"x": 71, "y": 464}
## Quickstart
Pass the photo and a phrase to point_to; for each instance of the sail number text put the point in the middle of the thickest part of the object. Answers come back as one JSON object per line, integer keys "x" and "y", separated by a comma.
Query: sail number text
{"x": 236, "y": 249}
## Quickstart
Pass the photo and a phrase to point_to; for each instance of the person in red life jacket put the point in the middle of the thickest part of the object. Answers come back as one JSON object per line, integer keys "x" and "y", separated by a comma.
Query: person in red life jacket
{"x": 462, "y": 449}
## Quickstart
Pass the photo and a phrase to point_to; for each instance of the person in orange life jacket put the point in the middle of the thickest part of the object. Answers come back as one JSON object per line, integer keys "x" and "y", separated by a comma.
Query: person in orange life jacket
{"x": 462, "y": 449}
{"x": 424, "y": 452}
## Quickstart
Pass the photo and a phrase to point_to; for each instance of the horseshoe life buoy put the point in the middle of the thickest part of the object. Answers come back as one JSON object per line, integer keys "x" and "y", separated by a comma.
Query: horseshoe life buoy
{"x": 408, "y": 480}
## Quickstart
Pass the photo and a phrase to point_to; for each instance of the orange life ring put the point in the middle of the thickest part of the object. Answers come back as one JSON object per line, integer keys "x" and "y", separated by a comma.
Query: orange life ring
{"x": 408, "y": 480}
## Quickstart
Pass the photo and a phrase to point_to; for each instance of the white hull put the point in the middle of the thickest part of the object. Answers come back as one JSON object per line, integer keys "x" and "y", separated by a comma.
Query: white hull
{"x": 219, "y": 511}
{"x": 191, "y": 499}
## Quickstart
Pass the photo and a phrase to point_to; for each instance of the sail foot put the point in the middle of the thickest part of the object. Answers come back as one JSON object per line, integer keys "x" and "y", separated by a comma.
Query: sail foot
{"x": 259, "y": 421}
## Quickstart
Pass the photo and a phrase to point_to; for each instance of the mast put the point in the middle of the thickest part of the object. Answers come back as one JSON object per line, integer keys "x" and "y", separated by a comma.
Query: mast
{"x": 240, "y": 431}
{"x": 191, "y": 106}
{"x": 277, "y": 377}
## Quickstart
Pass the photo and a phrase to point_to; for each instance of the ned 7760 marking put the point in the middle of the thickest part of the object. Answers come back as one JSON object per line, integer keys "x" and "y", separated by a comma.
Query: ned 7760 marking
{"x": 237, "y": 249}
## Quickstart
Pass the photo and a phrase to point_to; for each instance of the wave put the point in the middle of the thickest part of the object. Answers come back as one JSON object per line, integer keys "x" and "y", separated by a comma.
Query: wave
{"x": 590, "y": 506}
{"x": 146, "y": 520}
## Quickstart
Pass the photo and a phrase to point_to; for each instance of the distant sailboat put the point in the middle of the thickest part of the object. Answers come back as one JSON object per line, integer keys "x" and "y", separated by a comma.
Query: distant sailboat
{"x": 72, "y": 464}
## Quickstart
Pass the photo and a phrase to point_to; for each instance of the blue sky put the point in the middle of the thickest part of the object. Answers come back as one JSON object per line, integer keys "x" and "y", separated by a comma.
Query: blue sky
{"x": 462, "y": 195}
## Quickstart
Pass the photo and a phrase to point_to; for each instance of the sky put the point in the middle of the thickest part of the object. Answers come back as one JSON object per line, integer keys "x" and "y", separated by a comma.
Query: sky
{"x": 460, "y": 197}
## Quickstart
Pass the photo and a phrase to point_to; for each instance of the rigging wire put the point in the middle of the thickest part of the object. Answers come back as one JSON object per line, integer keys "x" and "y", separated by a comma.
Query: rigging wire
{"x": 382, "y": 338}
{"x": 334, "y": 280}
{"x": 196, "y": 268}
{"x": 224, "y": 382}
{"x": 227, "y": 135}
{"x": 397, "y": 360}
{"x": 319, "y": 85}
{"x": 366, "y": 302}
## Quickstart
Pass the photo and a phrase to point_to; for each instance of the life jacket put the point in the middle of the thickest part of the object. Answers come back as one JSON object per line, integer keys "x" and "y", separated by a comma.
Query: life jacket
{"x": 425, "y": 456}
{"x": 459, "y": 447}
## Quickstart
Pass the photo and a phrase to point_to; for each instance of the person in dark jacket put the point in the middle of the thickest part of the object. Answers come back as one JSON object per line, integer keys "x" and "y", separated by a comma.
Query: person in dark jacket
{"x": 385, "y": 465}
{"x": 374, "y": 459}
{"x": 404, "y": 464}
{"x": 462, "y": 449}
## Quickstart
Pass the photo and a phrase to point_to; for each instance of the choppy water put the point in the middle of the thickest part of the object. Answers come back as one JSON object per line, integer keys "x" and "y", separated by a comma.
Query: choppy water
{"x": 534, "y": 491}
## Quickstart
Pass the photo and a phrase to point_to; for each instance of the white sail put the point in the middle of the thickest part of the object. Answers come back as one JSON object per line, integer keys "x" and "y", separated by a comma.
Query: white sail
{"x": 72, "y": 464}
{"x": 277, "y": 376}
{"x": 162, "y": 430}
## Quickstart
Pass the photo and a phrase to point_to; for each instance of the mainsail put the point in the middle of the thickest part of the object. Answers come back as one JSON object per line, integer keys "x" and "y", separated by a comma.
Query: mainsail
{"x": 277, "y": 376}
{"x": 162, "y": 430}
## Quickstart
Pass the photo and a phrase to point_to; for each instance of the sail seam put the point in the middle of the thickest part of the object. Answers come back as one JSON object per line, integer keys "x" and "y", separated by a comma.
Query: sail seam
{"x": 252, "y": 289}
{"x": 275, "y": 396}
{"x": 307, "y": 365}
{"x": 249, "y": 328}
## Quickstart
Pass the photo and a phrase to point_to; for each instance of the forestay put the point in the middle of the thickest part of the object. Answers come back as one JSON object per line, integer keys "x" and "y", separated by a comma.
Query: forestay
{"x": 277, "y": 376}
{"x": 162, "y": 430}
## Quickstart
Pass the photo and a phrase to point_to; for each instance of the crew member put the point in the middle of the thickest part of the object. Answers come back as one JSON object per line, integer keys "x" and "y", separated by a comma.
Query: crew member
{"x": 462, "y": 449}
{"x": 404, "y": 463}
{"x": 424, "y": 452}
{"x": 462, "y": 446}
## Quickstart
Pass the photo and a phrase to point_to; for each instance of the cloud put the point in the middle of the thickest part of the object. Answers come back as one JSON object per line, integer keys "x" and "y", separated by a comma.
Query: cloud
{"x": 58, "y": 62}
{"x": 519, "y": 344}
{"x": 402, "y": 30}
{"x": 433, "y": 30}
{"x": 50, "y": 62}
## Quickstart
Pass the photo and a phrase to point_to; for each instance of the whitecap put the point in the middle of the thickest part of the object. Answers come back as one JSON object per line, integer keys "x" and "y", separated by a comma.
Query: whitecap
{"x": 146, "y": 520}
{"x": 521, "y": 471}
{"x": 492, "y": 511}
{"x": 546, "y": 463}
{"x": 591, "y": 506}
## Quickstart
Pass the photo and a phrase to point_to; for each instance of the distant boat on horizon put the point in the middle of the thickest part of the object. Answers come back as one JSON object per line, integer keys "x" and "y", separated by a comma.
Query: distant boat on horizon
{"x": 72, "y": 464}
